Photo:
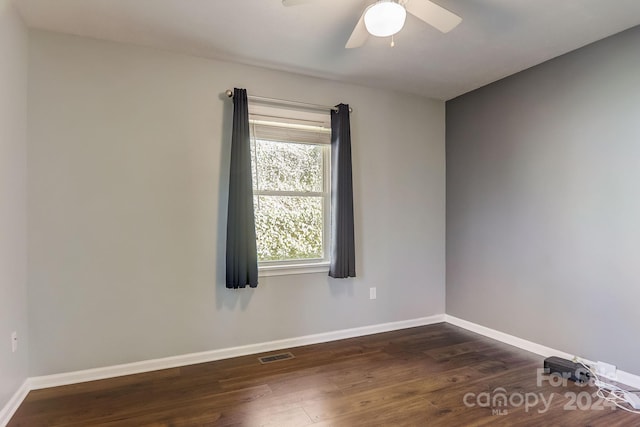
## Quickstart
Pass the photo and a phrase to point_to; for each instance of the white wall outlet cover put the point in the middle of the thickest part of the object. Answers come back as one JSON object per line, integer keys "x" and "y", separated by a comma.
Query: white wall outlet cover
{"x": 372, "y": 293}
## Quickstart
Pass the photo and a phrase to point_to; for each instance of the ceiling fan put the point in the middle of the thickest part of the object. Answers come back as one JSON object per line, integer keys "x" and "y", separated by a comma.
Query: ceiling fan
{"x": 384, "y": 18}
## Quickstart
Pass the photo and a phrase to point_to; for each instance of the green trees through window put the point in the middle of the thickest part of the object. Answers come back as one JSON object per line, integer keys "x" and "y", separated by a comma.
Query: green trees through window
{"x": 290, "y": 199}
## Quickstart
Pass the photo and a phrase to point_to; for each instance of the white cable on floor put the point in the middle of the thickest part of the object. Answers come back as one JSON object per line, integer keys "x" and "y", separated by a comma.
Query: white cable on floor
{"x": 611, "y": 392}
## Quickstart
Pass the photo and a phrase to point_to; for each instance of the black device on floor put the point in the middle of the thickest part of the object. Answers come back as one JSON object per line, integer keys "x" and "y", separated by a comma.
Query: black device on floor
{"x": 567, "y": 369}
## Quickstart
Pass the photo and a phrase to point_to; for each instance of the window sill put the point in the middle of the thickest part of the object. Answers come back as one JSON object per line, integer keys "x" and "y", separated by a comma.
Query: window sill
{"x": 286, "y": 270}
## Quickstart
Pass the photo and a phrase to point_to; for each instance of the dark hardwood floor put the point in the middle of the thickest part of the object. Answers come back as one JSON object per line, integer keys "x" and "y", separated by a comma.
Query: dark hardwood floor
{"x": 413, "y": 377}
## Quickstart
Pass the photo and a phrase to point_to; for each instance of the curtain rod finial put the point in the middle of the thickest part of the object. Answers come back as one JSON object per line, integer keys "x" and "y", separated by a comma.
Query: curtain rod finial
{"x": 229, "y": 93}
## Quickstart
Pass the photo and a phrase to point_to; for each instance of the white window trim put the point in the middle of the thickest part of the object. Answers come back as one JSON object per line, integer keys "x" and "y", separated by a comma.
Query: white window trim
{"x": 302, "y": 267}
{"x": 300, "y": 119}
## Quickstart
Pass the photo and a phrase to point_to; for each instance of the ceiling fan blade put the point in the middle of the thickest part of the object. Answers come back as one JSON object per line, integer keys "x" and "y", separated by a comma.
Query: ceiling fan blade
{"x": 359, "y": 34}
{"x": 294, "y": 2}
{"x": 432, "y": 14}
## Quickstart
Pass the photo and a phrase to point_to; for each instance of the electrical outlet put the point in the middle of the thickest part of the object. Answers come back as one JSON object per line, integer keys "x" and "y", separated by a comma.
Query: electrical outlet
{"x": 372, "y": 293}
{"x": 14, "y": 341}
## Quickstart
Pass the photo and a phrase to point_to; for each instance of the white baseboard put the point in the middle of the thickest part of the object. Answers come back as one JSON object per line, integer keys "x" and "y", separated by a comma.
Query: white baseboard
{"x": 12, "y": 405}
{"x": 210, "y": 356}
{"x": 506, "y": 338}
{"x": 629, "y": 379}
{"x": 622, "y": 377}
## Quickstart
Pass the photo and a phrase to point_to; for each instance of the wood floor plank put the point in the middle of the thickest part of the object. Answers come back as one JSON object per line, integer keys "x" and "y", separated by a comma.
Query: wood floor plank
{"x": 412, "y": 377}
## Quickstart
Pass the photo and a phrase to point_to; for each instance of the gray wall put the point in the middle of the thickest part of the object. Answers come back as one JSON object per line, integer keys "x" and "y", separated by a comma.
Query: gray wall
{"x": 13, "y": 200}
{"x": 128, "y": 155}
{"x": 543, "y": 203}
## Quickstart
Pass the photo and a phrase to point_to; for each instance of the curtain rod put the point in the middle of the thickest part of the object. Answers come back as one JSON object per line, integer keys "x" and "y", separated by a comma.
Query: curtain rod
{"x": 229, "y": 93}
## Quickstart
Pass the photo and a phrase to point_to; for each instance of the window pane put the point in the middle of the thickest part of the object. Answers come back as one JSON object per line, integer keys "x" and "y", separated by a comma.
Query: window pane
{"x": 282, "y": 166}
{"x": 288, "y": 228}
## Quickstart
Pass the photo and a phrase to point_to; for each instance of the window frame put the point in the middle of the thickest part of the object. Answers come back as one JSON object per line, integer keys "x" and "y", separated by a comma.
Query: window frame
{"x": 286, "y": 118}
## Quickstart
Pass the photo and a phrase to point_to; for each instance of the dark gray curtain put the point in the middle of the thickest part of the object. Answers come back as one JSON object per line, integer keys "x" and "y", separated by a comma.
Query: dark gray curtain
{"x": 242, "y": 256}
{"x": 343, "y": 253}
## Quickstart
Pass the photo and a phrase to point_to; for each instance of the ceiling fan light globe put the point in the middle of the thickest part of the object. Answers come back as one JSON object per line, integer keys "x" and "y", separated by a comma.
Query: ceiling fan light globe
{"x": 384, "y": 18}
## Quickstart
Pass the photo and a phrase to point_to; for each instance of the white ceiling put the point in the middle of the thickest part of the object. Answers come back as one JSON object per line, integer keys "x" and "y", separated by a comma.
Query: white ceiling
{"x": 495, "y": 39}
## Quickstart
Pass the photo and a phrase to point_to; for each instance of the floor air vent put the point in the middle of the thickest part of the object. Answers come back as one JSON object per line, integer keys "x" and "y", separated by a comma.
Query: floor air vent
{"x": 275, "y": 357}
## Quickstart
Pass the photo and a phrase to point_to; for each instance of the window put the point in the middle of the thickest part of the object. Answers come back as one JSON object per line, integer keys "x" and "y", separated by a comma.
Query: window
{"x": 290, "y": 164}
